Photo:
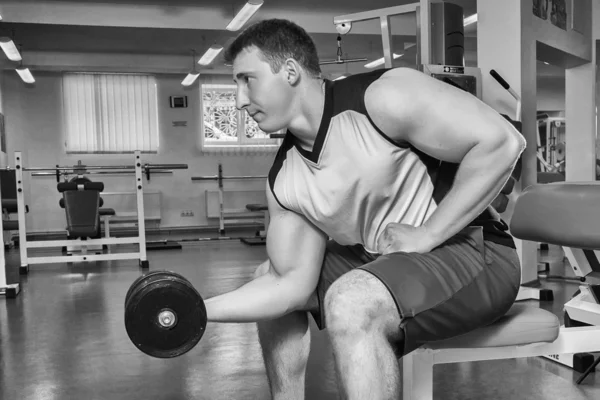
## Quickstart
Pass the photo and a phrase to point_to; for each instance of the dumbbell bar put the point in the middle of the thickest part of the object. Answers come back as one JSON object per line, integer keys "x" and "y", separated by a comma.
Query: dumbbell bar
{"x": 165, "y": 316}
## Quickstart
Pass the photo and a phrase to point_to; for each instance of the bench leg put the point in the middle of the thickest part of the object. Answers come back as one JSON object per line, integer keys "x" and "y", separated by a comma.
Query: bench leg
{"x": 106, "y": 227}
{"x": 417, "y": 376}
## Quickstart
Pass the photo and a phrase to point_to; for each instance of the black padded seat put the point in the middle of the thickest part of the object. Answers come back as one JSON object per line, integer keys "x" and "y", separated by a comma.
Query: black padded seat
{"x": 10, "y": 205}
{"x": 10, "y": 225}
{"x": 257, "y": 207}
{"x": 107, "y": 211}
{"x": 81, "y": 201}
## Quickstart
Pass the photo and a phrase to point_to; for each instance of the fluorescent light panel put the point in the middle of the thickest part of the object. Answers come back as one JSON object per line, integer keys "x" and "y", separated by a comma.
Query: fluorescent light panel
{"x": 210, "y": 54}
{"x": 343, "y": 76}
{"x": 380, "y": 61}
{"x": 25, "y": 75}
{"x": 10, "y": 49}
{"x": 190, "y": 78}
{"x": 249, "y": 9}
{"x": 470, "y": 20}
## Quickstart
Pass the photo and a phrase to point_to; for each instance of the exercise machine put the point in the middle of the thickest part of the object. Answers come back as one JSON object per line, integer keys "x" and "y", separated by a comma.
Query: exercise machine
{"x": 584, "y": 308}
{"x": 140, "y": 240}
{"x": 238, "y": 215}
{"x": 9, "y": 207}
{"x": 9, "y": 291}
{"x": 231, "y": 216}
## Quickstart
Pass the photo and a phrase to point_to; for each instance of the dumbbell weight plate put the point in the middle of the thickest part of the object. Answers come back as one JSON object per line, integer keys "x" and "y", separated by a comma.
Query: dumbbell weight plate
{"x": 172, "y": 295}
{"x": 138, "y": 281}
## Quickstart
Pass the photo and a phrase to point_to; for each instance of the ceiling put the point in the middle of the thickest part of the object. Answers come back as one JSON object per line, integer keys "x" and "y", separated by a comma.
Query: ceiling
{"x": 159, "y": 36}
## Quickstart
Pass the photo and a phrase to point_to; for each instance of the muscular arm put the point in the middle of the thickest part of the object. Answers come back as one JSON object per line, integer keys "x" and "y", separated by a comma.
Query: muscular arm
{"x": 295, "y": 248}
{"x": 453, "y": 126}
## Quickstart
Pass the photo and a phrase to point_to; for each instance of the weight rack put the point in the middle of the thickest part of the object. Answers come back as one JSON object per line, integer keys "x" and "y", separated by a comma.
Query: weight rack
{"x": 25, "y": 246}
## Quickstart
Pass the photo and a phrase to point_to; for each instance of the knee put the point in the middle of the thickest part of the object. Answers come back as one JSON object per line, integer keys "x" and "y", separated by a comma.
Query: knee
{"x": 354, "y": 303}
{"x": 262, "y": 269}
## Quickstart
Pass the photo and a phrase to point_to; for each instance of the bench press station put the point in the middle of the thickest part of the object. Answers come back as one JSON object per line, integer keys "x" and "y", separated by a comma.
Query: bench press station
{"x": 72, "y": 192}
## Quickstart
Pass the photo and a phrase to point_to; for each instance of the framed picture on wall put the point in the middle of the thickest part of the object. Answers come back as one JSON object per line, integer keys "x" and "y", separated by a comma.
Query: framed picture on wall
{"x": 540, "y": 9}
{"x": 558, "y": 13}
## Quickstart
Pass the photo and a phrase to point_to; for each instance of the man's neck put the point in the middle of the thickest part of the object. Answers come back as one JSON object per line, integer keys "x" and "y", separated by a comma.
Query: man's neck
{"x": 309, "y": 113}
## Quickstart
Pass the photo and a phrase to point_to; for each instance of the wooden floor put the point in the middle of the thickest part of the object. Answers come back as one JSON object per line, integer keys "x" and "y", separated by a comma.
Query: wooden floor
{"x": 64, "y": 338}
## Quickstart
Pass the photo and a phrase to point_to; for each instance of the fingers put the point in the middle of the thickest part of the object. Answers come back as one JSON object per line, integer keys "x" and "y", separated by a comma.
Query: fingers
{"x": 384, "y": 240}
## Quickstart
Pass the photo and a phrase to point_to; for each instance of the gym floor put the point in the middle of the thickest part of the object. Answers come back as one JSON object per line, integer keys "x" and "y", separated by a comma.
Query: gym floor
{"x": 63, "y": 337}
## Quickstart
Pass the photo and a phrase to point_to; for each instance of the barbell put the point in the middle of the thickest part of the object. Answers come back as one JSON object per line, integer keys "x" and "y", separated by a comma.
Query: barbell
{"x": 165, "y": 316}
{"x": 98, "y": 169}
{"x": 101, "y": 167}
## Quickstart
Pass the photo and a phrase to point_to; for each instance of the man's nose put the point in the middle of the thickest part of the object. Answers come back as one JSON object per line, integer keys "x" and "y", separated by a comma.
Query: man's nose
{"x": 241, "y": 100}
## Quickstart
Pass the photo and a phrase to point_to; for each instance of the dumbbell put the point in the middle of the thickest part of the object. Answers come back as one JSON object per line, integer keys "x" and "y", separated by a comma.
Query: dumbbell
{"x": 165, "y": 316}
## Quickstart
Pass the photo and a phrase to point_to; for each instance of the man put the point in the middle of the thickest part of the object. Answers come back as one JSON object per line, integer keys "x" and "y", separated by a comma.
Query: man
{"x": 398, "y": 169}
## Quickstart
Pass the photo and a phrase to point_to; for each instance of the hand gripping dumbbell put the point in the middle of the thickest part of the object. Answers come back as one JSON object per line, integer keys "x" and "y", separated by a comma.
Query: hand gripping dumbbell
{"x": 165, "y": 316}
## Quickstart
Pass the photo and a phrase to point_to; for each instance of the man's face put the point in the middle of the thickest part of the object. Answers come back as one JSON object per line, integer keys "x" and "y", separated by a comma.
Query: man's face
{"x": 265, "y": 95}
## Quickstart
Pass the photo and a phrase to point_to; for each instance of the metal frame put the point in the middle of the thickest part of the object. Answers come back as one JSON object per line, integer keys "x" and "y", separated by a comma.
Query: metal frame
{"x": 430, "y": 69}
{"x": 418, "y": 366}
{"x": 548, "y": 160}
{"x": 383, "y": 15}
{"x": 25, "y": 245}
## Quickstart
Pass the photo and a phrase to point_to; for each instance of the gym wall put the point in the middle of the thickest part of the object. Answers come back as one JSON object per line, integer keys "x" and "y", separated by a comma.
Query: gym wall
{"x": 551, "y": 93}
{"x": 34, "y": 126}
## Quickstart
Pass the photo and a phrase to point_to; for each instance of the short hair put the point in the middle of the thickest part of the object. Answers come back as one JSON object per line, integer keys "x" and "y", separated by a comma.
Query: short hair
{"x": 278, "y": 40}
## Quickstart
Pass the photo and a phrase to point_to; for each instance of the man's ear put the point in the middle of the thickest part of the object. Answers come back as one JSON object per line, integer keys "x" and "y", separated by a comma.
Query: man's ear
{"x": 292, "y": 71}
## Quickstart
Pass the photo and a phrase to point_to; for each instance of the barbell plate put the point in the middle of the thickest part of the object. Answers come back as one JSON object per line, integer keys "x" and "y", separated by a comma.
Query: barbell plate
{"x": 154, "y": 294}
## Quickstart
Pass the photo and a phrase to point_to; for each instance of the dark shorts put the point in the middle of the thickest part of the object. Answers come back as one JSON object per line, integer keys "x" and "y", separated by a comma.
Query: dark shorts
{"x": 464, "y": 284}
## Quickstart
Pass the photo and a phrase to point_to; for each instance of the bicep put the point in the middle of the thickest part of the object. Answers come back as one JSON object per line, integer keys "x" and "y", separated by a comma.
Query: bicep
{"x": 295, "y": 246}
{"x": 435, "y": 117}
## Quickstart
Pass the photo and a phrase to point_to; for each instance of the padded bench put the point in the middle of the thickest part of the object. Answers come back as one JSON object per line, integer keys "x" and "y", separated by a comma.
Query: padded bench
{"x": 562, "y": 213}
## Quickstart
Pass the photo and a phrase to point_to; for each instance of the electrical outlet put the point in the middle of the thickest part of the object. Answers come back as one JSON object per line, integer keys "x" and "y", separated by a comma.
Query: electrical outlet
{"x": 187, "y": 213}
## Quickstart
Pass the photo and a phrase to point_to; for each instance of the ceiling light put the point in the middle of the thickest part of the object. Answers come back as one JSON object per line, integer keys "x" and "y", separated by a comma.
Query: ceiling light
{"x": 470, "y": 20}
{"x": 190, "y": 78}
{"x": 343, "y": 76}
{"x": 380, "y": 61}
{"x": 192, "y": 75}
{"x": 210, "y": 54}
{"x": 10, "y": 49}
{"x": 25, "y": 75}
{"x": 244, "y": 15}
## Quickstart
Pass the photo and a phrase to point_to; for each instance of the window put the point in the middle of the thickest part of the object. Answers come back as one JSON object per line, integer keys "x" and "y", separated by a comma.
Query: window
{"x": 224, "y": 127}
{"x": 110, "y": 113}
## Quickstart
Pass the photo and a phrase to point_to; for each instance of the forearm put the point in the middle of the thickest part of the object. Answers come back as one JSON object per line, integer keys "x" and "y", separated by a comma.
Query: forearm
{"x": 266, "y": 297}
{"x": 480, "y": 176}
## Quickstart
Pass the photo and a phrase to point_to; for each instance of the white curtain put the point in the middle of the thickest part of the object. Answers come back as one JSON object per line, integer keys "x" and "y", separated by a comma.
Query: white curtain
{"x": 110, "y": 113}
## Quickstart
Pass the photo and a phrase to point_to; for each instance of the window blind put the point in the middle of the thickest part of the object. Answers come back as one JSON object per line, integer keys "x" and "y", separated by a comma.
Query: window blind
{"x": 110, "y": 113}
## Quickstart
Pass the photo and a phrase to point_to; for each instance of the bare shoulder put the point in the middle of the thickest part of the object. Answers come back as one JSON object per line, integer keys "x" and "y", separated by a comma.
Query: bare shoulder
{"x": 402, "y": 84}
